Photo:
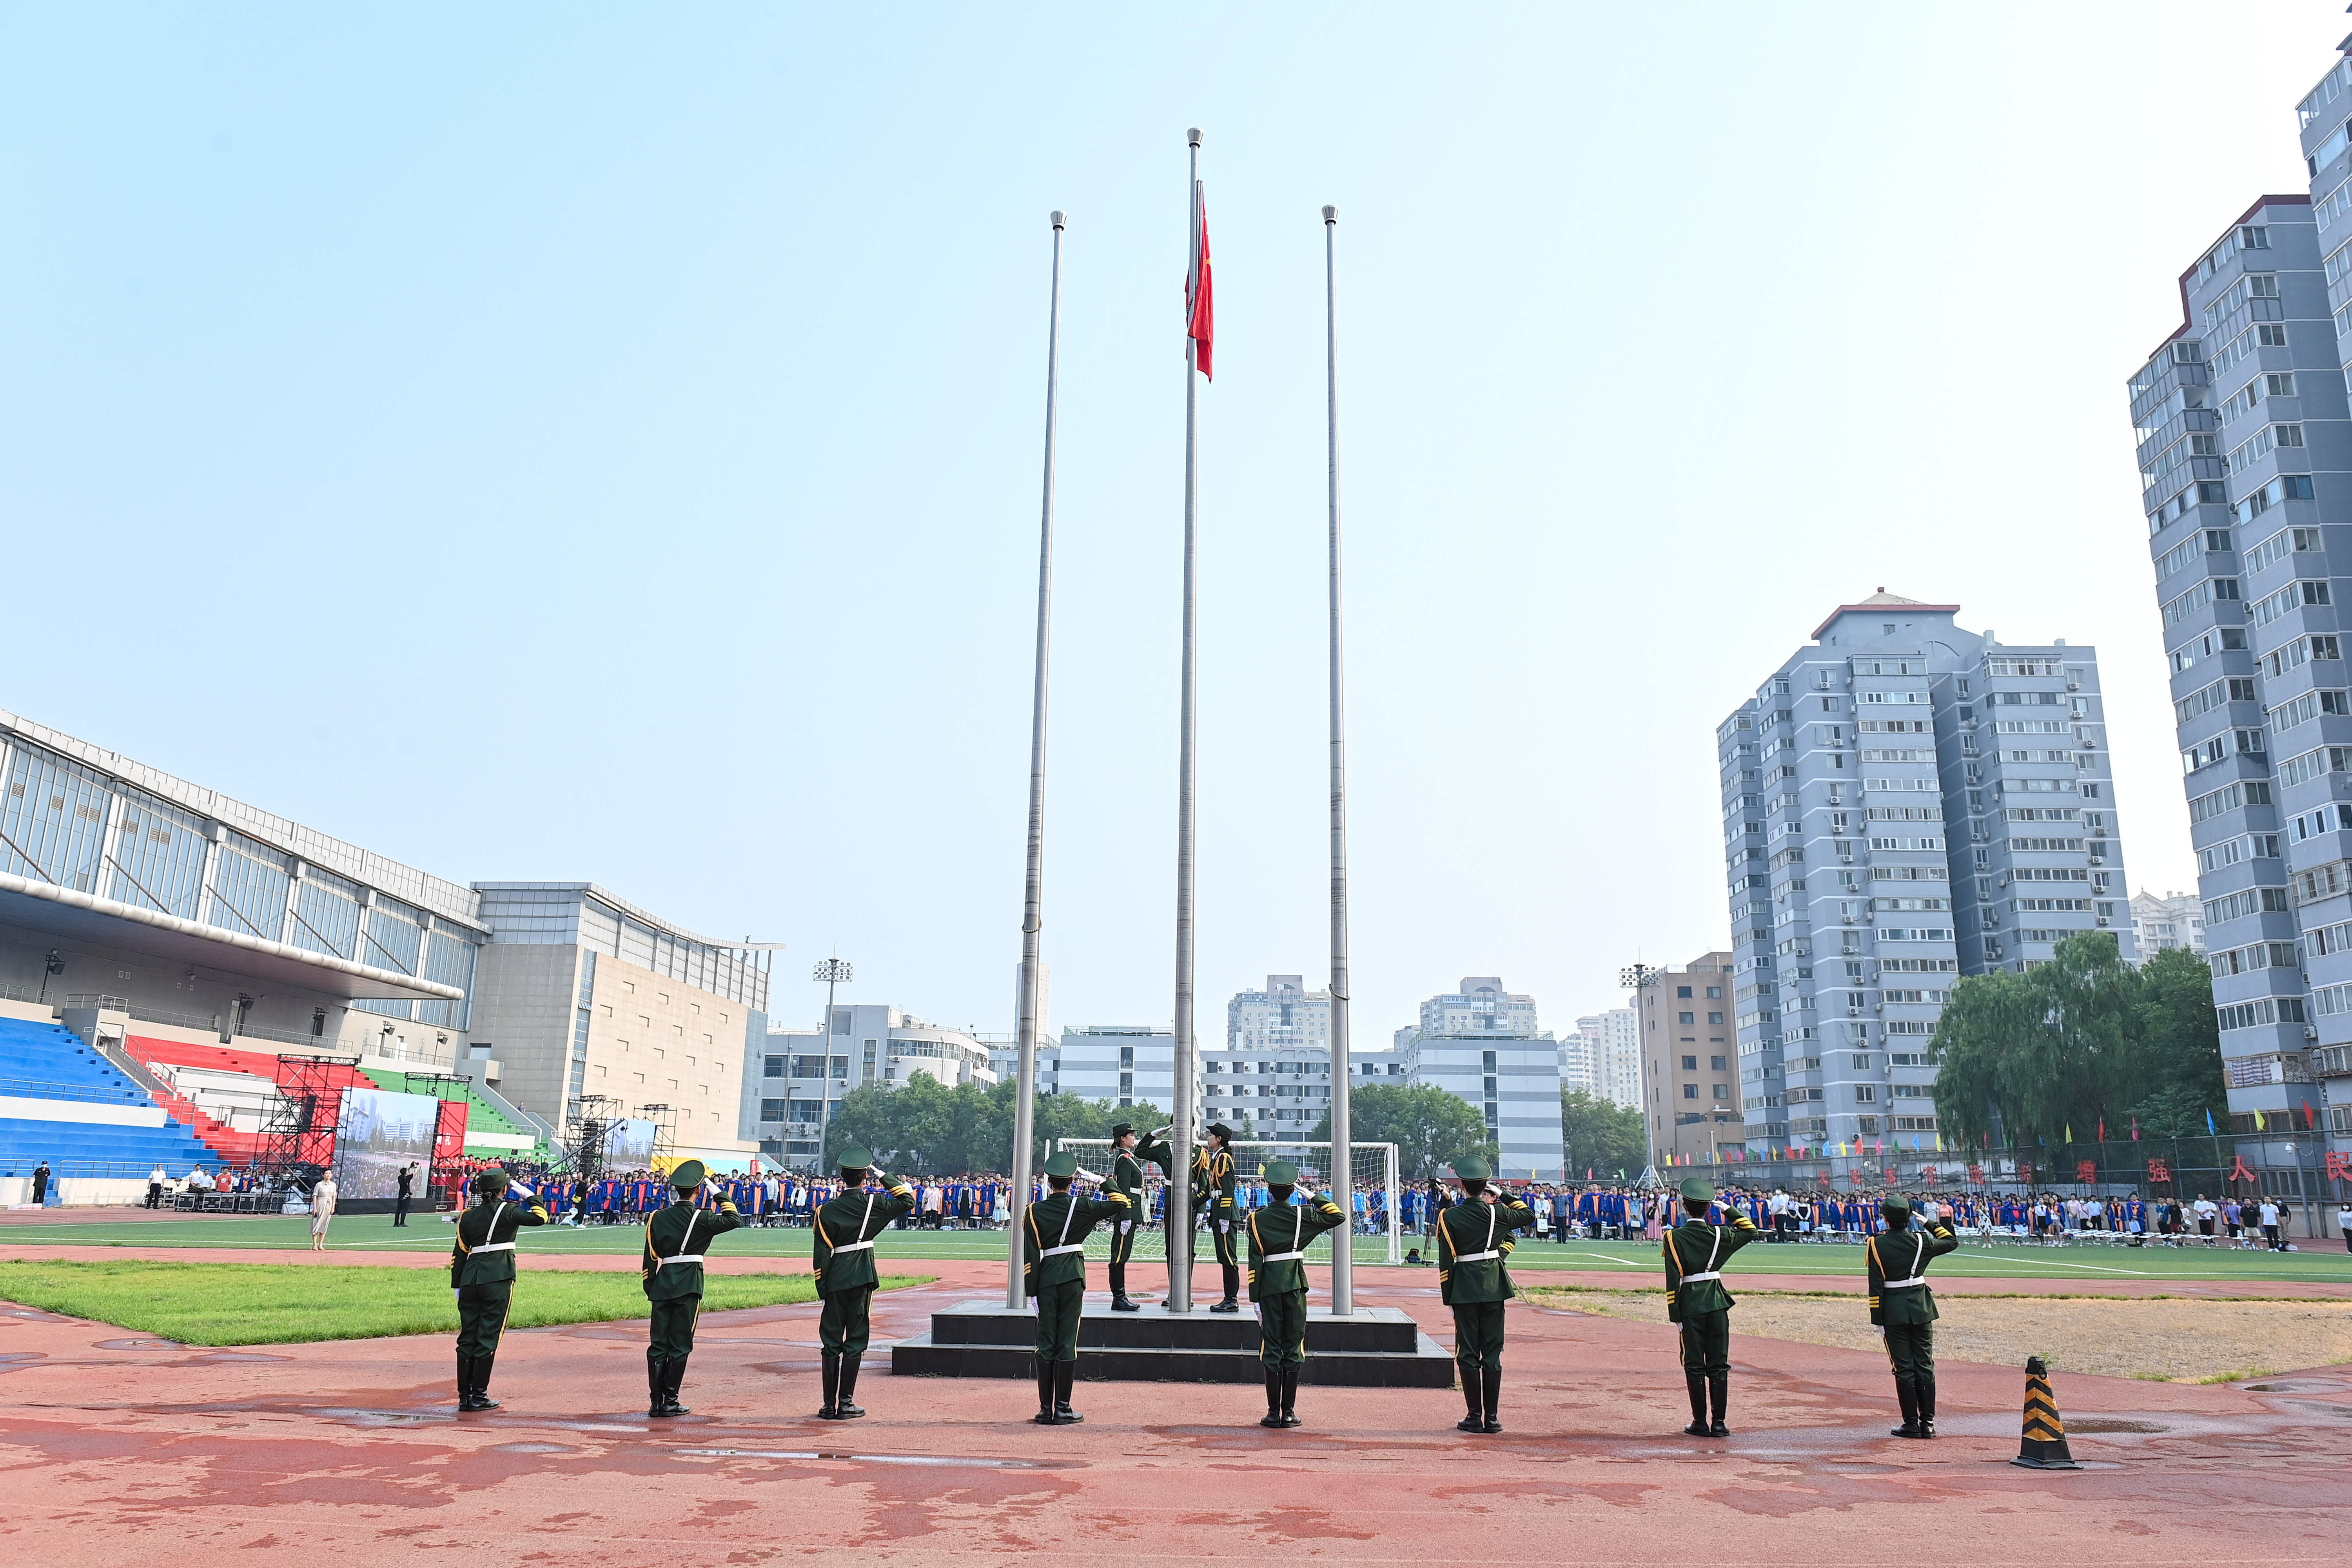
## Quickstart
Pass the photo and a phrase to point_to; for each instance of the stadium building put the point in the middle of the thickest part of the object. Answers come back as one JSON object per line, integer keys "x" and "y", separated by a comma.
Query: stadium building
{"x": 170, "y": 956}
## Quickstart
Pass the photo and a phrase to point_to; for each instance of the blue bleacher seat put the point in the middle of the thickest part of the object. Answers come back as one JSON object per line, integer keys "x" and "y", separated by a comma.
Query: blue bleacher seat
{"x": 38, "y": 1061}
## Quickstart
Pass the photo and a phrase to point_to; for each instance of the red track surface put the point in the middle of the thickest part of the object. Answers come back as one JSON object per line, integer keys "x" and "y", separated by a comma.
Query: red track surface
{"x": 116, "y": 1448}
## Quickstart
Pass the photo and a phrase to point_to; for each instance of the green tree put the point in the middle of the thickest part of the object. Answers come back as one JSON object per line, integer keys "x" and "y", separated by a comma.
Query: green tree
{"x": 2181, "y": 1077}
{"x": 925, "y": 1128}
{"x": 1430, "y": 1128}
{"x": 1600, "y": 1135}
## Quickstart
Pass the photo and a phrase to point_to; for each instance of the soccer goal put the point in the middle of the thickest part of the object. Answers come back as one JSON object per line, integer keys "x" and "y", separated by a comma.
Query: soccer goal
{"x": 1372, "y": 1170}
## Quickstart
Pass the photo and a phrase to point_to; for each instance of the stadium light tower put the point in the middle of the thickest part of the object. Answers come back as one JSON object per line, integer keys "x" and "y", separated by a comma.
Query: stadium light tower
{"x": 832, "y": 972}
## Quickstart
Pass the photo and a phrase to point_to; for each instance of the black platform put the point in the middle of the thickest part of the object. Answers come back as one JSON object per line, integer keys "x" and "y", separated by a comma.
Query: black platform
{"x": 1376, "y": 1347}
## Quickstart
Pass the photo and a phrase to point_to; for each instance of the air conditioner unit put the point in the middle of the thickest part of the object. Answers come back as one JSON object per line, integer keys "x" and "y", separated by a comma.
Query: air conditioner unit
{"x": 2104, "y": 920}
{"x": 2309, "y": 1033}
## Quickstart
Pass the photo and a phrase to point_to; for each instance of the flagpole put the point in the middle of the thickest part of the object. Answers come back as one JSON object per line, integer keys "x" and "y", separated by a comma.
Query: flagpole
{"x": 1179, "y": 1203}
{"x": 1343, "y": 1251}
{"x": 1033, "y": 897}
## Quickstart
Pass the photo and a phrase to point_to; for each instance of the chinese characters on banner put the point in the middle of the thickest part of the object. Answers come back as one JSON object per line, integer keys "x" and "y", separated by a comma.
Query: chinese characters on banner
{"x": 1976, "y": 1175}
{"x": 1890, "y": 1176}
{"x": 2086, "y": 1172}
{"x": 1931, "y": 1176}
{"x": 2339, "y": 1167}
{"x": 2159, "y": 1171}
{"x": 2239, "y": 1170}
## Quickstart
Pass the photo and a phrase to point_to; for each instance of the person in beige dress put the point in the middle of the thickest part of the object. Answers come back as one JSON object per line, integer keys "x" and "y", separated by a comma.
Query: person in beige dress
{"x": 322, "y": 1210}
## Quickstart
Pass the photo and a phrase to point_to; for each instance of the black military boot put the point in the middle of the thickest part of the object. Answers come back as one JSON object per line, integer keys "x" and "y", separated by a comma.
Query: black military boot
{"x": 1718, "y": 1388}
{"x": 1066, "y": 1372}
{"x": 848, "y": 1408}
{"x": 1119, "y": 1301}
{"x": 482, "y": 1400}
{"x": 1494, "y": 1379}
{"x": 1045, "y": 1393}
{"x": 1273, "y": 1417}
{"x": 673, "y": 1374}
{"x": 1290, "y": 1396}
{"x": 465, "y": 1381}
{"x": 1231, "y": 1303}
{"x": 1474, "y": 1401}
{"x": 1695, "y": 1384}
{"x": 831, "y": 1409}
{"x": 654, "y": 1384}
{"x": 1927, "y": 1405}
{"x": 1907, "y": 1397}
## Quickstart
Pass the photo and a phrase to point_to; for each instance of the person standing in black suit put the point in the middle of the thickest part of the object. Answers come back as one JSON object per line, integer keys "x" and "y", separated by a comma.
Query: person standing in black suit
{"x": 40, "y": 1183}
{"x": 408, "y": 1191}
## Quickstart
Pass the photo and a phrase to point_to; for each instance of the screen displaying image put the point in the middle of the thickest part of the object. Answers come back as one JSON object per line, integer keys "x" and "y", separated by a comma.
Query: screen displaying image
{"x": 629, "y": 1146}
{"x": 379, "y": 1133}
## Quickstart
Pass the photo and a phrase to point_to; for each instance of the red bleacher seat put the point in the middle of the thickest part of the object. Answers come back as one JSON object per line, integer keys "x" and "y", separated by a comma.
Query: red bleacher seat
{"x": 234, "y": 1147}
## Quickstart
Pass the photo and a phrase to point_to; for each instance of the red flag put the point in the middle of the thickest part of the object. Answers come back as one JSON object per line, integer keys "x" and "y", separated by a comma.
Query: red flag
{"x": 1200, "y": 312}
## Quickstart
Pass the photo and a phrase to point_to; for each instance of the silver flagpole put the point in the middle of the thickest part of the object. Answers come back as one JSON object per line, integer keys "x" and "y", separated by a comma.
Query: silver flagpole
{"x": 1179, "y": 1200}
{"x": 1343, "y": 1251}
{"x": 1033, "y": 900}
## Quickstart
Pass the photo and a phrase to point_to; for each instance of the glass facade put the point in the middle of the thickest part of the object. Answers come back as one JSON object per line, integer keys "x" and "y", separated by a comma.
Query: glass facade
{"x": 159, "y": 858}
{"x": 249, "y": 888}
{"x": 53, "y": 821}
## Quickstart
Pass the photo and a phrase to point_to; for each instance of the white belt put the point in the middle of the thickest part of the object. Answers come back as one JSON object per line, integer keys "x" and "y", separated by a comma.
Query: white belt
{"x": 1294, "y": 1256}
{"x": 491, "y": 1247}
{"x": 1904, "y": 1284}
{"x": 1477, "y": 1257}
{"x": 1057, "y": 1251}
{"x": 853, "y": 1246}
{"x": 1695, "y": 1278}
{"x": 660, "y": 1263}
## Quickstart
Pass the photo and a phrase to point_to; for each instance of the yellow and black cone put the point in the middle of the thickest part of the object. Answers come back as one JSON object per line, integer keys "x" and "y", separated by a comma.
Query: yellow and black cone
{"x": 2043, "y": 1447}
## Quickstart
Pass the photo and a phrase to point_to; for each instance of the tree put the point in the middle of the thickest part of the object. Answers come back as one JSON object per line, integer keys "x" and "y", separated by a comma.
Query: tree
{"x": 1430, "y": 1127}
{"x": 2180, "y": 1043}
{"x": 925, "y": 1128}
{"x": 1600, "y": 1134}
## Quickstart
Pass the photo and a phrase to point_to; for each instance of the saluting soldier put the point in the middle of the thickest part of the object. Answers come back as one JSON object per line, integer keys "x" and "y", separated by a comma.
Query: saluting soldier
{"x": 1212, "y": 1200}
{"x": 672, "y": 1267}
{"x": 1054, "y": 1233}
{"x": 1278, "y": 1234}
{"x": 1474, "y": 1238}
{"x": 843, "y": 1233}
{"x": 481, "y": 1276}
{"x": 1695, "y": 1252}
{"x": 1902, "y": 1308}
{"x": 1127, "y": 1176}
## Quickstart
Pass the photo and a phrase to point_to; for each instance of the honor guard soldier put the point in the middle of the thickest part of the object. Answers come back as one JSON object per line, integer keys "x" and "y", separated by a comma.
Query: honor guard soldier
{"x": 1474, "y": 1238}
{"x": 843, "y": 1233}
{"x": 1212, "y": 1200}
{"x": 1127, "y": 1176}
{"x": 1054, "y": 1269}
{"x": 1903, "y": 1308}
{"x": 1278, "y": 1234}
{"x": 672, "y": 1267}
{"x": 481, "y": 1276}
{"x": 1695, "y": 1252}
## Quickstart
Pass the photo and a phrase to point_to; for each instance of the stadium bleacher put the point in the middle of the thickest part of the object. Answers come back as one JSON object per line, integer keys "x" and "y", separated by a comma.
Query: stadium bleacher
{"x": 228, "y": 1078}
{"x": 46, "y": 1062}
{"x": 481, "y": 1116}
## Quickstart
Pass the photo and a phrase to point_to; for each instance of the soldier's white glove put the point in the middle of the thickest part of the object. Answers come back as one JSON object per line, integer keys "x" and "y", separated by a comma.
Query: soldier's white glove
{"x": 1879, "y": 1329}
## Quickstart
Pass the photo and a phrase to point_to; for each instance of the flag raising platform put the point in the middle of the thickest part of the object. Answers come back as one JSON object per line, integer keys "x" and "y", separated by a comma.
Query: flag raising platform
{"x": 1375, "y": 1347}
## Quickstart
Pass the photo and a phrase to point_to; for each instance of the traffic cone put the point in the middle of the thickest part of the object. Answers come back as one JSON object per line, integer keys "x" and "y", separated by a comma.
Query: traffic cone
{"x": 2044, "y": 1446}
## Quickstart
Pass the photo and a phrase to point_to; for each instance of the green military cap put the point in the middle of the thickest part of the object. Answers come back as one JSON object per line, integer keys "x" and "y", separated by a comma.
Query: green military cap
{"x": 1895, "y": 1206}
{"x": 853, "y": 1157}
{"x": 1121, "y": 1129}
{"x": 1063, "y": 1164}
{"x": 1698, "y": 1189}
{"x": 688, "y": 1176}
{"x": 1471, "y": 1168}
{"x": 1282, "y": 1173}
{"x": 490, "y": 1182}
{"x": 1221, "y": 1130}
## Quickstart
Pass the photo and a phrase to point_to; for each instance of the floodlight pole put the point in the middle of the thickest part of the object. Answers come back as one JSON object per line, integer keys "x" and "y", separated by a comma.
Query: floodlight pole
{"x": 831, "y": 972}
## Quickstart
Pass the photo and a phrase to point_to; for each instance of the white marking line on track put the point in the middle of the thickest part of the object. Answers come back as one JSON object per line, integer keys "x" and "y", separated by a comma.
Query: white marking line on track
{"x": 1621, "y": 1262}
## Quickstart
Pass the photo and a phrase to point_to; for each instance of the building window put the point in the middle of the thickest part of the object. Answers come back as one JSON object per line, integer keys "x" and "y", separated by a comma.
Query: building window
{"x": 1682, "y": 992}
{"x": 1687, "y": 1019}
{"x": 1690, "y": 1064}
{"x": 1690, "y": 1091}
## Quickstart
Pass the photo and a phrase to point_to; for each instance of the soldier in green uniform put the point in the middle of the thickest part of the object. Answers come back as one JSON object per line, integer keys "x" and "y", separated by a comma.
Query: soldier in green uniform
{"x": 672, "y": 1267}
{"x": 481, "y": 1276}
{"x": 1474, "y": 1238}
{"x": 1127, "y": 1176}
{"x": 1278, "y": 1234}
{"x": 1054, "y": 1269}
{"x": 1695, "y": 1252}
{"x": 1902, "y": 1308}
{"x": 844, "y": 1232}
{"x": 1212, "y": 1200}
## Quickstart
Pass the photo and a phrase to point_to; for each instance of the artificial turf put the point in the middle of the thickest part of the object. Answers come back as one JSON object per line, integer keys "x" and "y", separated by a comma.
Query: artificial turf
{"x": 275, "y": 1304}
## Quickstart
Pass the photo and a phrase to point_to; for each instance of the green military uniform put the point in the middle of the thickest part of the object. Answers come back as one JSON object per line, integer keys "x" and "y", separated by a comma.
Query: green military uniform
{"x": 1473, "y": 1238}
{"x": 1903, "y": 1308}
{"x": 672, "y": 1268}
{"x": 1054, "y": 1269}
{"x": 1213, "y": 1201}
{"x": 843, "y": 1232}
{"x": 1278, "y": 1234}
{"x": 482, "y": 1274}
{"x": 1695, "y": 1253}
{"x": 1127, "y": 1176}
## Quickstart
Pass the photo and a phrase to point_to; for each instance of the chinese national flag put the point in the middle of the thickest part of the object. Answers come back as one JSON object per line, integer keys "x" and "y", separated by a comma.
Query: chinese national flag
{"x": 1199, "y": 310}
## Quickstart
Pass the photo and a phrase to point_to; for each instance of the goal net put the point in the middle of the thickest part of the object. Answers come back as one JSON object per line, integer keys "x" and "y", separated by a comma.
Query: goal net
{"x": 1374, "y": 1195}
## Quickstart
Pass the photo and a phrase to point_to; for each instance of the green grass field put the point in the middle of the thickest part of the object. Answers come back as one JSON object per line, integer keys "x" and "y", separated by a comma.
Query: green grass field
{"x": 375, "y": 1233}
{"x": 269, "y": 1304}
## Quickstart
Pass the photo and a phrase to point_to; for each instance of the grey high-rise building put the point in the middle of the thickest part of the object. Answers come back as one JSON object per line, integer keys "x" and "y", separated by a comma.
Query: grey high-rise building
{"x": 1905, "y": 802}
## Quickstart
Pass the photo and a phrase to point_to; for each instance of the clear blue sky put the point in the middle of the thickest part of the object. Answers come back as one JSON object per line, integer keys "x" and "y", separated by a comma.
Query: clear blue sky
{"x": 581, "y": 442}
